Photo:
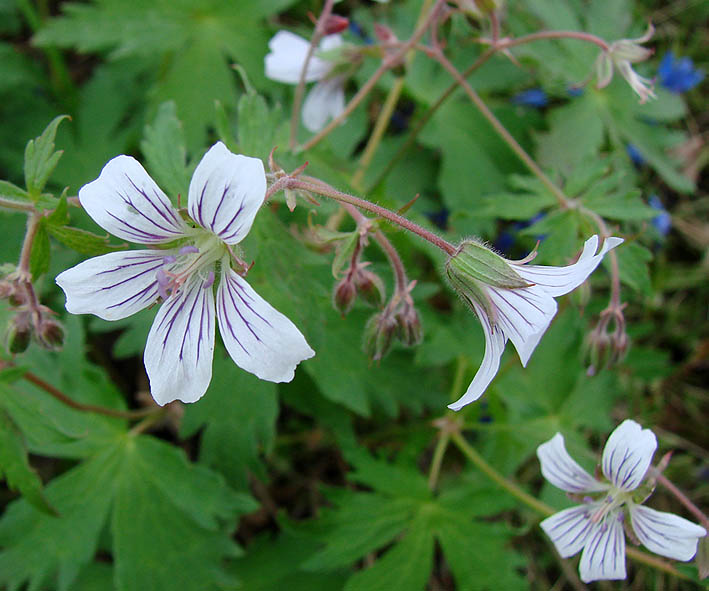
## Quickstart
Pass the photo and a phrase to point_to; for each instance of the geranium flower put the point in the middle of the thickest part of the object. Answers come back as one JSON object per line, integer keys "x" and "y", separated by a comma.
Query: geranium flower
{"x": 285, "y": 63}
{"x": 225, "y": 193}
{"x": 621, "y": 55}
{"x": 513, "y": 300}
{"x": 596, "y": 527}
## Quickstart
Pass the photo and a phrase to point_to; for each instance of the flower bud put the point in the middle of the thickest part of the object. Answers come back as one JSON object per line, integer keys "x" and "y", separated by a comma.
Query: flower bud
{"x": 369, "y": 286}
{"x": 379, "y": 333}
{"x": 7, "y": 289}
{"x": 335, "y": 23}
{"x": 51, "y": 334}
{"x": 19, "y": 333}
{"x": 344, "y": 294}
{"x": 409, "y": 325}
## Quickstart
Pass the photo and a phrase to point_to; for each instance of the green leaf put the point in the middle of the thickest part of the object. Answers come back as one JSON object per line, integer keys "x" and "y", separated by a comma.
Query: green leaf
{"x": 258, "y": 126}
{"x": 405, "y": 567}
{"x": 165, "y": 152}
{"x": 515, "y": 206}
{"x": 166, "y": 521}
{"x": 633, "y": 263}
{"x": 40, "y": 253}
{"x": 41, "y": 159}
{"x": 620, "y": 206}
{"x": 14, "y": 194}
{"x": 38, "y": 548}
{"x": 60, "y": 215}
{"x": 343, "y": 256}
{"x": 16, "y": 467}
{"x": 239, "y": 420}
{"x": 83, "y": 241}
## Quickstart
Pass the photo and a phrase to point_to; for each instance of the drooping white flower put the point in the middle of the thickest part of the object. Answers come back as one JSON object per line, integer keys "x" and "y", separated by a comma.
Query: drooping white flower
{"x": 225, "y": 193}
{"x": 622, "y": 54}
{"x": 513, "y": 300}
{"x": 285, "y": 62}
{"x": 596, "y": 527}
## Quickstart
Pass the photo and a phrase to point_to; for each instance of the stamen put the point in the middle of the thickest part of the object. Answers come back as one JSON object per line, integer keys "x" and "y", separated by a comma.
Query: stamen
{"x": 210, "y": 280}
{"x": 188, "y": 249}
{"x": 163, "y": 282}
{"x": 169, "y": 259}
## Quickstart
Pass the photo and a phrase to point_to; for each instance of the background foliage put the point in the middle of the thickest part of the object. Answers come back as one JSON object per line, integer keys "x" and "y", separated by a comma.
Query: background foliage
{"x": 324, "y": 483}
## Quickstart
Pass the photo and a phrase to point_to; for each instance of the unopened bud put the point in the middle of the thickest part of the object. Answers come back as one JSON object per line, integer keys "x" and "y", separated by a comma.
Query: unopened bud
{"x": 335, "y": 24}
{"x": 607, "y": 348}
{"x": 379, "y": 333}
{"x": 7, "y": 289}
{"x": 51, "y": 334}
{"x": 384, "y": 34}
{"x": 410, "y": 333}
{"x": 370, "y": 286}
{"x": 19, "y": 333}
{"x": 343, "y": 296}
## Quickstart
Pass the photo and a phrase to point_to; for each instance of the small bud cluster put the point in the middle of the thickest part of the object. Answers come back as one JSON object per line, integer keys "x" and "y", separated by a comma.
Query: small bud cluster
{"x": 607, "y": 347}
{"x": 31, "y": 319}
{"x": 358, "y": 281}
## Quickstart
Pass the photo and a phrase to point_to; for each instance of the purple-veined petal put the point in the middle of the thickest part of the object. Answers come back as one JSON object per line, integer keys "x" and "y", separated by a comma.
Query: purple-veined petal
{"x": 557, "y": 281}
{"x": 226, "y": 192}
{"x": 494, "y": 347}
{"x": 258, "y": 337}
{"x": 569, "y": 529}
{"x": 114, "y": 285}
{"x": 666, "y": 534}
{"x": 604, "y": 552}
{"x": 325, "y": 100}
{"x": 627, "y": 455}
{"x": 126, "y": 202}
{"x": 524, "y": 315}
{"x": 180, "y": 347}
{"x": 559, "y": 468}
{"x": 287, "y": 56}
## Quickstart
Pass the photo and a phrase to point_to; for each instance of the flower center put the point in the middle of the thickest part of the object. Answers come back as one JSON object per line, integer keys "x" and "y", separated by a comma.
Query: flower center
{"x": 180, "y": 266}
{"x": 614, "y": 500}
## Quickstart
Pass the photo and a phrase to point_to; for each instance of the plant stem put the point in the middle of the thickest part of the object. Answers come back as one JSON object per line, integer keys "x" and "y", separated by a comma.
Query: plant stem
{"x": 300, "y": 89}
{"x": 387, "y": 64}
{"x": 101, "y": 410}
{"x": 437, "y": 460}
{"x": 682, "y": 498}
{"x": 378, "y": 132}
{"x": 438, "y": 56}
{"x": 23, "y": 266}
{"x": 332, "y": 193}
{"x": 470, "y": 453}
{"x": 16, "y": 205}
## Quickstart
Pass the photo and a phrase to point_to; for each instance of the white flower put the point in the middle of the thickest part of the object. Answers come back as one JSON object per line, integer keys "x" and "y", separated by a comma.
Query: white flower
{"x": 225, "y": 193}
{"x": 513, "y": 300}
{"x": 285, "y": 63}
{"x": 596, "y": 527}
{"x": 622, "y": 54}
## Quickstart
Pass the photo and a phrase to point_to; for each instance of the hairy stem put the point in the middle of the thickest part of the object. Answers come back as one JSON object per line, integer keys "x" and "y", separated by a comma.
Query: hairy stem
{"x": 362, "y": 93}
{"x": 16, "y": 205}
{"x": 332, "y": 193}
{"x": 300, "y": 89}
{"x": 521, "y": 153}
{"x": 437, "y": 460}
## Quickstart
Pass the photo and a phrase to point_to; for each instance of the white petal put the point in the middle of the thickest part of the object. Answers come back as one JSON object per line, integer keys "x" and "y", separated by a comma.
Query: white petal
{"x": 226, "y": 192}
{"x": 665, "y": 533}
{"x": 258, "y": 337}
{"x": 288, "y": 53}
{"x": 627, "y": 455}
{"x": 559, "y": 468}
{"x": 180, "y": 346}
{"x": 604, "y": 552}
{"x": 494, "y": 347}
{"x": 557, "y": 281}
{"x": 569, "y": 529}
{"x": 326, "y": 100}
{"x": 114, "y": 285}
{"x": 126, "y": 202}
{"x": 524, "y": 315}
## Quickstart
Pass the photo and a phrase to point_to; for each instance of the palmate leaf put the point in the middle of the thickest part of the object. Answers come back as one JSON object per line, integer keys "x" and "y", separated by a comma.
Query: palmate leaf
{"x": 402, "y": 511}
{"x": 185, "y": 43}
{"x": 165, "y": 520}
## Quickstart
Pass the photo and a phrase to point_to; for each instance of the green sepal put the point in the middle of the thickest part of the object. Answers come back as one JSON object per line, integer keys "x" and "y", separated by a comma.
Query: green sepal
{"x": 475, "y": 262}
{"x": 40, "y": 254}
{"x": 344, "y": 253}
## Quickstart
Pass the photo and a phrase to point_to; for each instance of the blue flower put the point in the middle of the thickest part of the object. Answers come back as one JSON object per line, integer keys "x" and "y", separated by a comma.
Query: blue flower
{"x": 663, "y": 221}
{"x": 534, "y": 97}
{"x": 635, "y": 155}
{"x": 678, "y": 75}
